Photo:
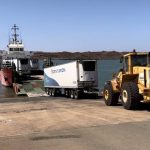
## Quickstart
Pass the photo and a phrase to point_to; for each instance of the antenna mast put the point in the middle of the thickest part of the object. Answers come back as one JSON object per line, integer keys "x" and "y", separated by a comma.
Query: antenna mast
{"x": 15, "y": 35}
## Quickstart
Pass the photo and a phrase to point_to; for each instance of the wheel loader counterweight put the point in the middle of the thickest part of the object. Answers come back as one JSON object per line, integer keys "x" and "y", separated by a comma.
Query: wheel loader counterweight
{"x": 132, "y": 83}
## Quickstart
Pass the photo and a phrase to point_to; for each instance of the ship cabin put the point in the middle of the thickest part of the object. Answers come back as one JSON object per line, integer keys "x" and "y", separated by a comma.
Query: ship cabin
{"x": 19, "y": 47}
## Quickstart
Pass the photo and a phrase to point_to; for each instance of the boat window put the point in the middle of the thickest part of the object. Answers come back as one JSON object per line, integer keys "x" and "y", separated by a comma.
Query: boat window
{"x": 35, "y": 61}
{"x": 21, "y": 49}
{"x": 6, "y": 64}
{"x": 24, "y": 61}
{"x": 89, "y": 65}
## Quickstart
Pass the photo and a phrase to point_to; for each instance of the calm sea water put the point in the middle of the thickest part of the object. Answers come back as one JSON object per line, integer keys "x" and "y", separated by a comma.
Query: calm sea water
{"x": 105, "y": 70}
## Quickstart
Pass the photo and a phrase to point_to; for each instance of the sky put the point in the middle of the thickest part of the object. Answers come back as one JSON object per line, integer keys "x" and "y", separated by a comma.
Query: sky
{"x": 77, "y": 25}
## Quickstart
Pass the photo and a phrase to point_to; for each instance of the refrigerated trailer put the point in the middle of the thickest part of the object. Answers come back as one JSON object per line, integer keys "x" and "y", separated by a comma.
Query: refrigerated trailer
{"x": 73, "y": 79}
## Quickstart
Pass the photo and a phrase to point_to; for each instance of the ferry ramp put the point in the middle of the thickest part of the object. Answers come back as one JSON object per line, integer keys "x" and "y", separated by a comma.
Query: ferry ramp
{"x": 30, "y": 89}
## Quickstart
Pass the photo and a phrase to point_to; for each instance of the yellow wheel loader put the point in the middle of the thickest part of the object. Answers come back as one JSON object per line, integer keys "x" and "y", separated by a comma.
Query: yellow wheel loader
{"x": 132, "y": 83}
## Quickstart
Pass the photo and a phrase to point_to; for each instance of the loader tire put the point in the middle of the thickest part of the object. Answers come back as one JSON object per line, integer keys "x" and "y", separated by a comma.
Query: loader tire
{"x": 110, "y": 98}
{"x": 130, "y": 96}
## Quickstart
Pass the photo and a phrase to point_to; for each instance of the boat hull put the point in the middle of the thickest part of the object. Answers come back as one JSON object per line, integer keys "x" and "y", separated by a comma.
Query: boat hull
{"x": 6, "y": 76}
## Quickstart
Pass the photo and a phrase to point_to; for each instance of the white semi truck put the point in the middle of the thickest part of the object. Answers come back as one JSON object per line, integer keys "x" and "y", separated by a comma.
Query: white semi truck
{"x": 73, "y": 79}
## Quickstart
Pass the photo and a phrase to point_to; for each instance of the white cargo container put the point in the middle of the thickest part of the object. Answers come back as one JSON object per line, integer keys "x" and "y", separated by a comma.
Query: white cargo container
{"x": 73, "y": 78}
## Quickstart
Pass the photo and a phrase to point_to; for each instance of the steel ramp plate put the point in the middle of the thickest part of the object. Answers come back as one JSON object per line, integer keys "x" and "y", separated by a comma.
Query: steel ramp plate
{"x": 36, "y": 92}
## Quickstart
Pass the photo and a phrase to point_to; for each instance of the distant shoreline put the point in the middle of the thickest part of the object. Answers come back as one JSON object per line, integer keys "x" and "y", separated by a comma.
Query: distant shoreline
{"x": 80, "y": 55}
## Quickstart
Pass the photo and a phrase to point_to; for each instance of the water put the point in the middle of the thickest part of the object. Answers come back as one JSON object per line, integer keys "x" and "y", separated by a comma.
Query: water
{"x": 105, "y": 70}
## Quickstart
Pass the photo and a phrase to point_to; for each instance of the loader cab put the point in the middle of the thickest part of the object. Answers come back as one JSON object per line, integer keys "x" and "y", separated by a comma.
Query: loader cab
{"x": 131, "y": 60}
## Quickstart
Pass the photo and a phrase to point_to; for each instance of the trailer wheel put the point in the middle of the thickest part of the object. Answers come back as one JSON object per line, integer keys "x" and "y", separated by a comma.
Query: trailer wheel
{"x": 50, "y": 92}
{"x": 53, "y": 93}
{"x": 76, "y": 94}
{"x": 46, "y": 90}
{"x": 130, "y": 95}
{"x": 67, "y": 93}
{"x": 110, "y": 97}
{"x": 58, "y": 92}
{"x": 72, "y": 94}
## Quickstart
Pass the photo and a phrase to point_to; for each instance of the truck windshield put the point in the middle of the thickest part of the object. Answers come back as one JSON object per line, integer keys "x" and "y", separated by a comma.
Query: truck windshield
{"x": 139, "y": 60}
{"x": 89, "y": 65}
{"x": 24, "y": 61}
